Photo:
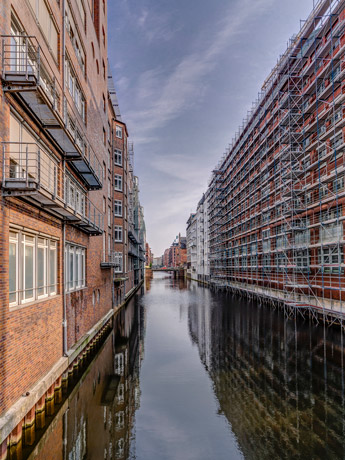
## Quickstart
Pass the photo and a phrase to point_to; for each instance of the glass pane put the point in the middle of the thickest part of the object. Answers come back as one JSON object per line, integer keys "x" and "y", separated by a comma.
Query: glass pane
{"x": 76, "y": 282}
{"x": 52, "y": 271}
{"x": 13, "y": 272}
{"x": 83, "y": 268}
{"x": 41, "y": 269}
{"x": 29, "y": 272}
{"x": 71, "y": 270}
{"x": 77, "y": 271}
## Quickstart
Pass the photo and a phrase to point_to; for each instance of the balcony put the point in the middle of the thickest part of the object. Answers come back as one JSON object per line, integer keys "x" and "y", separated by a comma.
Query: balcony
{"x": 27, "y": 74}
{"x": 31, "y": 173}
{"x": 110, "y": 260}
{"x": 133, "y": 237}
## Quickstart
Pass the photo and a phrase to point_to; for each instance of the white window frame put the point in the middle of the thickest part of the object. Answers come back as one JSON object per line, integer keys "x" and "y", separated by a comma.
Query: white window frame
{"x": 118, "y": 233}
{"x": 118, "y": 204}
{"x": 118, "y": 131}
{"x": 119, "y": 261}
{"x": 76, "y": 254}
{"x": 118, "y": 157}
{"x": 118, "y": 182}
{"x": 14, "y": 240}
{"x": 26, "y": 238}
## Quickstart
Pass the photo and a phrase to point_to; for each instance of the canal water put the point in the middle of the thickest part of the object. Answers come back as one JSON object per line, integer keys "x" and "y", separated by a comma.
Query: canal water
{"x": 187, "y": 373}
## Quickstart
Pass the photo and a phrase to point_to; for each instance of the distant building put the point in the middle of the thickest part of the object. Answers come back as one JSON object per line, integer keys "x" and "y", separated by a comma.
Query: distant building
{"x": 157, "y": 262}
{"x": 191, "y": 245}
{"x": 198, "y": 263}
{"x": 176, "y": 255}
{"x": 148, "y": 255}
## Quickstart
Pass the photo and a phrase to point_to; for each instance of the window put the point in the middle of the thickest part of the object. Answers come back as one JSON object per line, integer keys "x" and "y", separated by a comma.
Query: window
{"x": 75, "y": 196}
{"x": 338, "y": 185}
{"x": 109, "y": 188}
{"x": 281, "y": 261}
{"x": 109, "y": 216}
{"x": 266, "y": 233}
{"x": 109, "y": 133}
{"x": 32, "y": 267}
{"x": 46, "y": 23}
{"x": 81, "y": 10}
{"x": 302, "y": 260}
{"x": 118, "y": 157}
{"x": 75, "y": 90}
{"x": 118, "y": 233}
{"x": 323, "y": 191}
{"x": 119, "y": 364}
{"x": 118, "y": 208}
{"x": 266, "y": 262}
{"x": 75, "y": 38}
{"x": 118, "y": 262}
{"x": 119, "y": 132}
{"x": 118, "y": 182}
{"x": 331, "y": 258}
{"x": 74, "y": 267}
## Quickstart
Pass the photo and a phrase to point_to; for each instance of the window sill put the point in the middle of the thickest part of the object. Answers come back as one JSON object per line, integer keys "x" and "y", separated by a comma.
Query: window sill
{"x": 76, "y": 290}
{"x": 34, "y": 302}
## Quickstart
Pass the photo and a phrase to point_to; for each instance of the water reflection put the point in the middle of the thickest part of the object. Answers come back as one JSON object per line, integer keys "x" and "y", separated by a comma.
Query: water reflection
{"x": 96, "y": 420}
{"x": 222, "y": 378}
{"x": 280, "y": 383}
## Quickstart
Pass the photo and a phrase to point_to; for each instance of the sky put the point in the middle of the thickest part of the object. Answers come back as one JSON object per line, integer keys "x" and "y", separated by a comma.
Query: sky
{"x": 186, "y": 72}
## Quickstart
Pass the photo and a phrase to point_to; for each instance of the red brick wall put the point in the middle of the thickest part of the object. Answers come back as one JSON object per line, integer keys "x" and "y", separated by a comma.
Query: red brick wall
{"x": 31, "y": 335}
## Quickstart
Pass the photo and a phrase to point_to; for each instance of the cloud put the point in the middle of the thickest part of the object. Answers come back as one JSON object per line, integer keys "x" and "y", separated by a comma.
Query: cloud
{"x": 142, "y": 18}
{"x": 164, "y": 97}
{"x": 171, "y": 166}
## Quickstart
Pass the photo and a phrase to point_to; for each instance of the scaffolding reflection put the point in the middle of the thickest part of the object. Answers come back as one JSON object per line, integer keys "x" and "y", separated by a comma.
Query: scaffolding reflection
{"x": 279, "y": 381}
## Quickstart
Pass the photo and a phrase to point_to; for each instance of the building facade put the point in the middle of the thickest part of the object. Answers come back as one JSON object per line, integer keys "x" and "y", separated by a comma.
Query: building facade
{"x": 65, "y": 215}
{"x": 148, "y": 255}
{"x": 198, "y": 242}
{"x": 191, "y": 233}
{"x": 176, "y": 255}
{"x": 276, "y": 198}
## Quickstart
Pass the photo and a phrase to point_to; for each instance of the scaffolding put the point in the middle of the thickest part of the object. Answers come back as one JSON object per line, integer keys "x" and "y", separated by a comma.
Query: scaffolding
{"x": 277, "y": 196}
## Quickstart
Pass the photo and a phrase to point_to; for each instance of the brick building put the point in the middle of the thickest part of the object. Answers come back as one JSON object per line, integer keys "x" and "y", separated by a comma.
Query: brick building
{"x": 148, "y": 255}
{"x": 277, "y": 197}
{"x": 176, "y": 255}
{"x": 65, "y": 214}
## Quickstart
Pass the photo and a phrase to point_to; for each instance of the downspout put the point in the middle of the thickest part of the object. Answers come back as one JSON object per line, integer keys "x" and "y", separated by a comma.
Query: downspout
{"x": 113, "y": 211}
{"x": 64, "y": 320}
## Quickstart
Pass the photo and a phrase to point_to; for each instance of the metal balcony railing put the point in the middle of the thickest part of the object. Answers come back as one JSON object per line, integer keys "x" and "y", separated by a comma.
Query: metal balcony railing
{"x": 26, "y": 70}
{"x": 20, "y": 59}
{"x": 110, "y": 259}
{"x": 30, "y": 171}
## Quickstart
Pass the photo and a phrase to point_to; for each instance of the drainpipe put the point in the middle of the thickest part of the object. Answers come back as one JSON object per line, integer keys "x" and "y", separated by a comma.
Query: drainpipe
{"x": 64, "y": 319}
{"x": 113, "y": 211}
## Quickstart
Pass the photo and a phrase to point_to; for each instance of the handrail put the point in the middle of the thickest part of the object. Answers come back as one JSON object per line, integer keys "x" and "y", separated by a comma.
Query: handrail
{"x": 33, "y": 166}
{"x": 22, "y": 56}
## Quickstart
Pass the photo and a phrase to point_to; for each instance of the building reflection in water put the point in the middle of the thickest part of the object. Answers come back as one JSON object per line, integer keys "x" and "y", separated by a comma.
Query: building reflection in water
{"x": 279, "y": 382}
{"x": 97, "y": 418}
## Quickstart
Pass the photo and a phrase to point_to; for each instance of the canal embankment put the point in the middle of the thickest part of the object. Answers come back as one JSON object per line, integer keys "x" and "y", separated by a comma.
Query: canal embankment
{"x": 18, "y": 424}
